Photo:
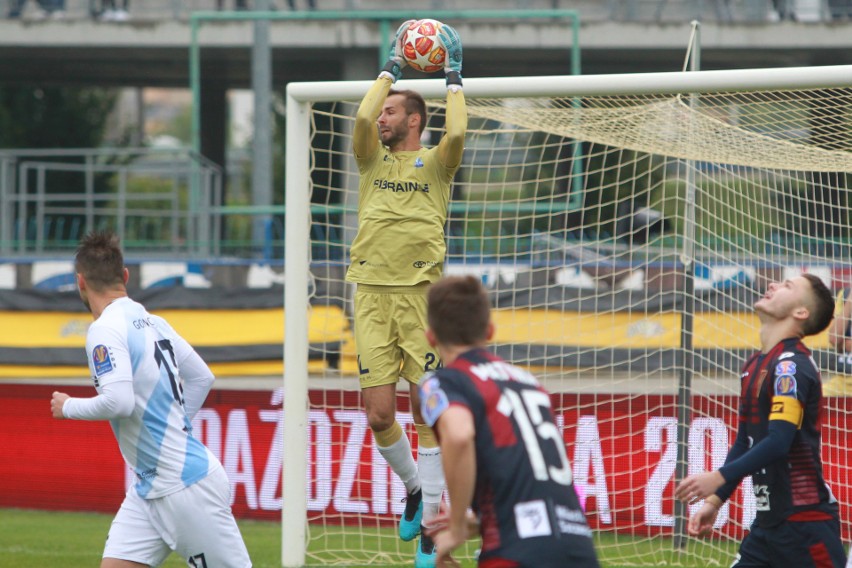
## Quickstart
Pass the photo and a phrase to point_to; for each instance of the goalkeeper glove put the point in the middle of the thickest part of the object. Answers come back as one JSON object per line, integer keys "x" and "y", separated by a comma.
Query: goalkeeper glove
{"x": 393, "y": 68}
{"x": 453, "y": 63}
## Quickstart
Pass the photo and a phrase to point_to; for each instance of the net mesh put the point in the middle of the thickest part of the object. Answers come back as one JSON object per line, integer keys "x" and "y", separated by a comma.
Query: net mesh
{"x": 623, "y": 240}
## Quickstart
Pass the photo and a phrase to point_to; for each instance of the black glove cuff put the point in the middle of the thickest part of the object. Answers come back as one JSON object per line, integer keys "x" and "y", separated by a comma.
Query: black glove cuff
{"x": 454, "y": 78}
{"x": 392, "y": 67}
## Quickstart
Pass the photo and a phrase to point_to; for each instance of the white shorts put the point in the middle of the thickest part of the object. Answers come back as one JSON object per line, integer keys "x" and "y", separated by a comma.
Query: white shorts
{"x": 196, "y": 523}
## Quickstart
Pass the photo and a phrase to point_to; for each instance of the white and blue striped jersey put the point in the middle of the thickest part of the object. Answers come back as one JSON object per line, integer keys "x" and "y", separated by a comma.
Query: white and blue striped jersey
{"x": 126, "y": 344}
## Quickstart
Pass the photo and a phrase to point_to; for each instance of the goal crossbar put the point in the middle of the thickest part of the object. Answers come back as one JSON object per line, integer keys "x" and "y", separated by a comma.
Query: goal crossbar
{"x": 721, "y": 81}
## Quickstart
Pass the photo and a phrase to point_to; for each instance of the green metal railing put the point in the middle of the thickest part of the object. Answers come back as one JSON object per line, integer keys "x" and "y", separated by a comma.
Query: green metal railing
{"x": 159, "y": 200}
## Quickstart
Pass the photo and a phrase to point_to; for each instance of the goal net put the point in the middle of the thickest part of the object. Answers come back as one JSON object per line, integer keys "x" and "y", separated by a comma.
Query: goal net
{"x": 624, "y": 226}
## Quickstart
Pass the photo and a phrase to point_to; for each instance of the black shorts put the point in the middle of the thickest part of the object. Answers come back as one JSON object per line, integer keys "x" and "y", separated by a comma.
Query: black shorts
{"x": 807, "y": 544}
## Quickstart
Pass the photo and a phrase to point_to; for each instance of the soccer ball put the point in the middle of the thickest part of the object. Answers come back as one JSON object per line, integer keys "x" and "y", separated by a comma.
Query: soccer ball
{"x": 421, "y": 47}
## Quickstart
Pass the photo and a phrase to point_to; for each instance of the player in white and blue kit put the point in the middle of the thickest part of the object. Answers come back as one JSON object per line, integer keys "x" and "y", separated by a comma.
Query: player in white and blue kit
{"x": 150, "y": 383}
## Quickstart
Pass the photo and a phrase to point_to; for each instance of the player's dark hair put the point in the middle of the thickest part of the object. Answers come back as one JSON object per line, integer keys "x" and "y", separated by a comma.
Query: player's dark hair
{"x": 459, "y": 310}
{"x": 414, "y": 104}
{"x": 99, "y": 260}
{"x": 822, "y": 310}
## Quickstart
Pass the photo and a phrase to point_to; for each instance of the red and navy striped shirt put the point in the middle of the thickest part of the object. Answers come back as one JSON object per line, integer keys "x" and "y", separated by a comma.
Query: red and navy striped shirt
{"x": 528, "y": 510}
{"x": 791, "y": 488}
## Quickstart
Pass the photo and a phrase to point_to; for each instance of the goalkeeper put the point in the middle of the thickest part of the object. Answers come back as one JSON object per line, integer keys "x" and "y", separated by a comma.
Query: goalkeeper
{"x": 404, "y": 193}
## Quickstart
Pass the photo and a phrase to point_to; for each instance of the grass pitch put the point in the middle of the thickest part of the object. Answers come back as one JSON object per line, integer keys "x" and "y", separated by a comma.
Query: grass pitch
{"x": 71, "y": 540}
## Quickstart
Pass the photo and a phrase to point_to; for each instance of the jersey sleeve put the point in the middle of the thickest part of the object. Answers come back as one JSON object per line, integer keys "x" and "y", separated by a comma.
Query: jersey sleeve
{"x": 196, "y": 375}
{"x": 793, "y": 381}
{"x": 738, "y": 449}
{"x": 451, "y": 146}
{"x": 440, "y": 390}
{"x": 365, "y": 138}
{"x": 108, "y": 356}
{"x": 115, "y": 401}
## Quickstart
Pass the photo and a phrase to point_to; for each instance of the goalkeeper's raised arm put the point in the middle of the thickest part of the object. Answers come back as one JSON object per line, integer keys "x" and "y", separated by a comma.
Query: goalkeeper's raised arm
{"x": 364, "y": 140}
{"x": 451, "y": 147}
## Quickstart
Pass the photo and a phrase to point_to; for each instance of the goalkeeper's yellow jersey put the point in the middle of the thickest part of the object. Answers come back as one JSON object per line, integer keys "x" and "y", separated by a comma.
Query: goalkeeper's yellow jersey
{"x": 403, "y": 198}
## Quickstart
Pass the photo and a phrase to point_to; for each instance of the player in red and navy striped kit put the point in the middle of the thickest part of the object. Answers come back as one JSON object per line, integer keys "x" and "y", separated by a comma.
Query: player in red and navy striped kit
{"x": 503, "y": 454}
{"x": 778, "y": 440}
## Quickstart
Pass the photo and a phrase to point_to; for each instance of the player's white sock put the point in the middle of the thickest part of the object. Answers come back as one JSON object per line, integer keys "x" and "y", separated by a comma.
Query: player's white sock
{"x": 431, "y": 471}
{"x": 432, "y": 480}
{"x": 394, "y": 446}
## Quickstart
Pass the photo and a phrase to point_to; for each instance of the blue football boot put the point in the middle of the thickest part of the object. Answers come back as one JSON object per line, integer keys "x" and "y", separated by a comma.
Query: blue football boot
{"x": 425, "y": 557}
{"x": 409, "y": 524}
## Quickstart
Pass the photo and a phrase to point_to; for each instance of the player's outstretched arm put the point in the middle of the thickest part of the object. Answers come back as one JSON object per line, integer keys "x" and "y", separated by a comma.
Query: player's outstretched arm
{"x": 115, "y": 401}
{"x": 456, "y": 431}
{"x": 116, "y": 398}
{"x": 451, "y": 147}
{"x": 365, "y": 141}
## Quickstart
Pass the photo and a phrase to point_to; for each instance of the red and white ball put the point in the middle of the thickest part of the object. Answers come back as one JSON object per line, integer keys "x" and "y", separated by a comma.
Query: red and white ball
{"x": 421, "y": 47}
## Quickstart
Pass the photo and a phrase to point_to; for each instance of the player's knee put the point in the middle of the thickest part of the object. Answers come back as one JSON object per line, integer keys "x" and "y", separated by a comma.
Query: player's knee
{"x": 380, "y": 419}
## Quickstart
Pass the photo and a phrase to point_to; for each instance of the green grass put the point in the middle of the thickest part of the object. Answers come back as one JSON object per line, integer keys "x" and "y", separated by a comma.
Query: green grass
{"x": 48, "y": 538}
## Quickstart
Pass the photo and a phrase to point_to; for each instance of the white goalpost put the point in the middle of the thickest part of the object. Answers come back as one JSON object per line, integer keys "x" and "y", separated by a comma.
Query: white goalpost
{"x": 624, "y": 225}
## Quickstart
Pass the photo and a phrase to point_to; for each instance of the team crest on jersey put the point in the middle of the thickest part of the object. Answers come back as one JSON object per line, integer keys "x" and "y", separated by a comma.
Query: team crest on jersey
{"x": 785, "y": 368}
{"x": 434, "y": 400}
{"x": 785, "y": 385}
{"x": 101, "y": 360}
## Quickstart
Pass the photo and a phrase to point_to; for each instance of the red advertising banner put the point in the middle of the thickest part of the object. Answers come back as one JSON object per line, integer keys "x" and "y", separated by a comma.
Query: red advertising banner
{"x": 623, "y": 449}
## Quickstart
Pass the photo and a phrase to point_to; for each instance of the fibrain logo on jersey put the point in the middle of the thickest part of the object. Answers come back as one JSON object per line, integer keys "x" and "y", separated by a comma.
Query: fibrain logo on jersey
{"x": 401, "y": 186}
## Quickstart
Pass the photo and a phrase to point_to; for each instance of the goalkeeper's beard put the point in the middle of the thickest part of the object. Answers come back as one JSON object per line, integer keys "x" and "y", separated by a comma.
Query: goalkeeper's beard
{"x": 393, "y": 136}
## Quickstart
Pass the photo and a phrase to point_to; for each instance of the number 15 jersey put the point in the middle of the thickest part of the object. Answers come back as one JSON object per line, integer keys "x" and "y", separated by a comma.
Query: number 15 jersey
{"x": 529, "y": 513}
{"x": 126, "y": 343}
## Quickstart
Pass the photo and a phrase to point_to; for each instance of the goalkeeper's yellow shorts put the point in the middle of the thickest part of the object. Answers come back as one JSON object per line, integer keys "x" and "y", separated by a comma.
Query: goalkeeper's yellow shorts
{"x": 390, "y": 334}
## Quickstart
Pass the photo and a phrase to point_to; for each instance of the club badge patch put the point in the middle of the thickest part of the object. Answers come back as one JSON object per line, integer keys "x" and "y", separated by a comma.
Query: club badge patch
{"x": 785, "y": 385}
{"x": 101, "y": 360}
{"x": 433, "y": 399}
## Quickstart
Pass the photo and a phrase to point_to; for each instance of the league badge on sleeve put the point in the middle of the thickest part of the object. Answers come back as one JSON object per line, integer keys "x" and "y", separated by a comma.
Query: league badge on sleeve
{"x": 785, "y": 385}
{"x": 433, "y": 400}
{"x": 102, "y": 360}
{"x": 785, "y": 368}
